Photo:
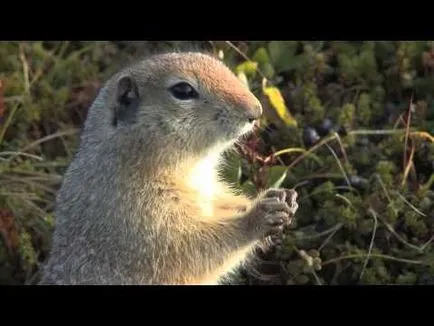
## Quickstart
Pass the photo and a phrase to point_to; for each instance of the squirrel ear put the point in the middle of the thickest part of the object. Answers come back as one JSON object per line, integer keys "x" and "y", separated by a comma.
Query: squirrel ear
{"x": 127, "y": 100}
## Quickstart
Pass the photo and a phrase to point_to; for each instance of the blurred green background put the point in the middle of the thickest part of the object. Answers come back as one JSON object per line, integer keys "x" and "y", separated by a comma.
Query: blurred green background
{"x": 349, "y": 124}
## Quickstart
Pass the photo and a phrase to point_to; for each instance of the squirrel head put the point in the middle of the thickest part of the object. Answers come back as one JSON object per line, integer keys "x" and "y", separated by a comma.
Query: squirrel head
{"x": 190, "y": 96}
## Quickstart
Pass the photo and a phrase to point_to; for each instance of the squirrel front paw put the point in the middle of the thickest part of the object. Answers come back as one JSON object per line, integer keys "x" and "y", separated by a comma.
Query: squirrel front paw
{"x": 274, "y": 209}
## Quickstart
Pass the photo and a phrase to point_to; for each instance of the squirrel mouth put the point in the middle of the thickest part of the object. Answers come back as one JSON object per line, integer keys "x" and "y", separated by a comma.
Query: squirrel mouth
{"x": 247, "y": 128}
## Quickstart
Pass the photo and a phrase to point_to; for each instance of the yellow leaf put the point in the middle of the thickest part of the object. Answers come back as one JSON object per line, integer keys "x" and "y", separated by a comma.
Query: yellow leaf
{"x": 424, "y": 134}
{"x": 278, "y": 103}
{"x": 242, "y": 77}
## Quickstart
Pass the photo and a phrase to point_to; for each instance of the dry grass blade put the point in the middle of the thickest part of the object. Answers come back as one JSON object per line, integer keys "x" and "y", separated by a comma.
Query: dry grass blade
{"x": 366, "y": 132}
{"x": 315, "y": 275}
{"x": 341, "y": 145}
{"x": 333, "y": 230}
{"x": 371, "y": 245}
{"x": 49, "y": 177}
{"x": 409, "y": 165}
{"x": 68, "y": 132}
{"x": 407, "y": 131}
{"x": 383, "y": 187}
{"x": 333, "y": 136}
{"x": 410, "y": 204}
{"x": 387, "y": 257}
{"x": 316, "y": 192}
{"x": 426, "y": 244}
{"x": 19, "y": 195}
{"x": 8, "y": 122}
{"x": 346, "y": 200}
{"x": 423, "y": 134}
{"x": 397, "y": 236}
{"x": 21, "y": 154}
{"x": 340, "y": 165}
{"x": 388, "y": 226}
{"x": 2, "y": 101}
{"x": 326, "y": 241}
{"x": 25, "y": 65}
{"x": 28, "y": 182}
{"x": 296, "y": 150}
{"x": 311, "y": 150}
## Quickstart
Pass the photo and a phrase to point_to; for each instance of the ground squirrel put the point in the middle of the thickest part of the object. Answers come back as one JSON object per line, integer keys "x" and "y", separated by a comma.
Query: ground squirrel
{"x": 142, "y": 202}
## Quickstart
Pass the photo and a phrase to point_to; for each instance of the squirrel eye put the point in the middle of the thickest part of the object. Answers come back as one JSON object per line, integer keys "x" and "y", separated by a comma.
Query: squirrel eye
{"x": 184, "y": 91}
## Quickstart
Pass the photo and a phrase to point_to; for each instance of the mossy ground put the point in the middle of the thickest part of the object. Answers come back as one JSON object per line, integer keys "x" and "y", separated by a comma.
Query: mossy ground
{"x": 348, "y": 124}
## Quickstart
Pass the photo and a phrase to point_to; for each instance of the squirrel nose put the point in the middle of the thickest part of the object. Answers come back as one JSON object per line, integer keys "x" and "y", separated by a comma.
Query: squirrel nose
{"x": 255, "y": 112}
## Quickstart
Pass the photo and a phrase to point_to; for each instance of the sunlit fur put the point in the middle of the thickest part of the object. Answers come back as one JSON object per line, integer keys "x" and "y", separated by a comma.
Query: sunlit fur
{"x": 142, "y": 203}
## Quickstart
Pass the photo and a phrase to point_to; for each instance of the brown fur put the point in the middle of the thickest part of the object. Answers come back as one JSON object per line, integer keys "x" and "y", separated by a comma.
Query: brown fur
{"x": 142, "y": 203}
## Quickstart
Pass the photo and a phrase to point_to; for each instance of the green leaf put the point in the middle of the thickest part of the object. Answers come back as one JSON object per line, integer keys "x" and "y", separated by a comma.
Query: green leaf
{"x": 261, "y": 56}
{"x": 278, "y": 103}
{"x": 268, "y": 70}
{"x": 263, "y": 59}
{"x": 231, "y": 168}
{"x": 276, "y": 176}
{"x": 249, "y": 189}
{"x": 317, "y": 45}
{"x": 248, "y": 67}
{"x": 282, "y": 54}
